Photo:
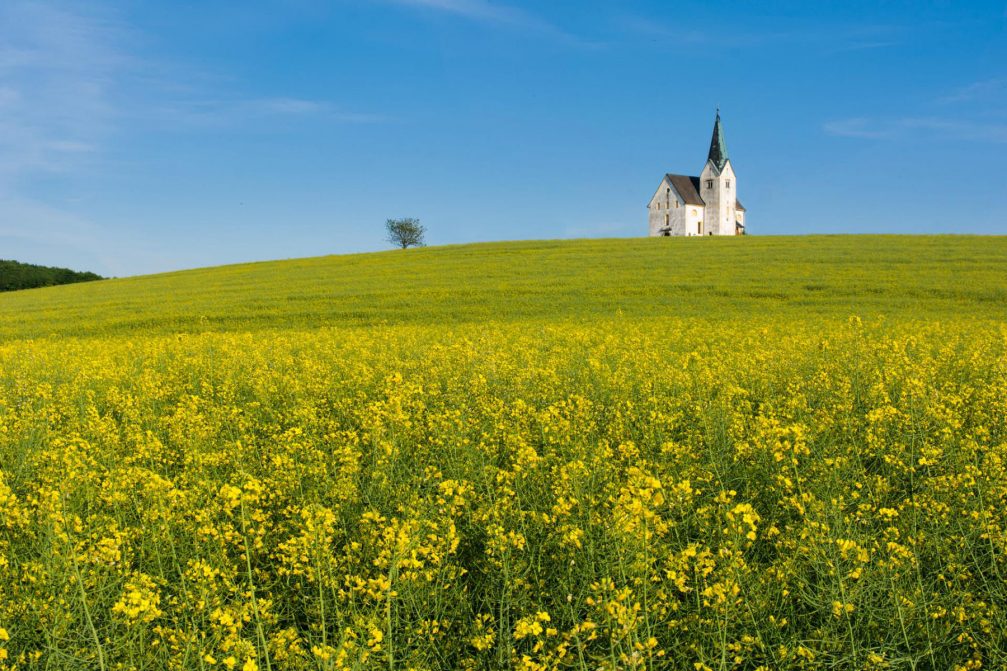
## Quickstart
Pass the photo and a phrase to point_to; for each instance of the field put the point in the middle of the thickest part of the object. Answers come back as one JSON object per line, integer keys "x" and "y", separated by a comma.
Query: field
{"x": 702, "y": 454}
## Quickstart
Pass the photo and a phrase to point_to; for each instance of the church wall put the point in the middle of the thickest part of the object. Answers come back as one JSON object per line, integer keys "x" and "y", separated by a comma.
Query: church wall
{"x": 656, "y": 212}
{"x": 663, "y": 212}
{"x": 694, "y": 222}
{"x": 720, "y": 199}
{"x": 710, "y": 196}
{"x": 729, "y": 198}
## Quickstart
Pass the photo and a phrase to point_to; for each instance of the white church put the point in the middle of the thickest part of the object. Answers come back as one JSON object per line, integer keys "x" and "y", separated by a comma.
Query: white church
{"x": 704, "y": 205}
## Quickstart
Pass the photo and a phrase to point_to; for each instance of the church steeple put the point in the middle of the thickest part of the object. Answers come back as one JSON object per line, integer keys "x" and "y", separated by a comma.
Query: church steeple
{"x": 718, "y": 146}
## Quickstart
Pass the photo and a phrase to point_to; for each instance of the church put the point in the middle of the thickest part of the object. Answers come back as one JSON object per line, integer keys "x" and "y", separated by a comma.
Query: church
{"x": 704, "y": 205}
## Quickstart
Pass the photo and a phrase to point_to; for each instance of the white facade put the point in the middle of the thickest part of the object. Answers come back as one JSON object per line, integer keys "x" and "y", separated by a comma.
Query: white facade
{"x": 717, "y": 189}
{"x": 667, "y": 210}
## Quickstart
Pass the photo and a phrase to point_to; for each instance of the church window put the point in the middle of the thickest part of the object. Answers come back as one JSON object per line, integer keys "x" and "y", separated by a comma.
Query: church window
{"x": 728, "y": 184}
{"x": 667, "y": 219}
{"x": 709, "y": 184}
{"x": 676, "y": 203}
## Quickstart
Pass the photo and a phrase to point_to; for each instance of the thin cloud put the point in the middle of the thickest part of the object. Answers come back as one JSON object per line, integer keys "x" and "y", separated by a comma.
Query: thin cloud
{"x": 488, "y": 12}
{"x": 57, "y": 110}
{"x": 913, "y": 127}
{"x": 859, "y": 127}
{"x": 979, "y": 90}
{"x": 963, "y": 130}
{"x": 242, "y": 113}
{"x": 73, "y": 82}
{"x": 868, "y": 45}
{"x": 656, "y": 30}
{"x": 831, "y": 38}
{"x": 480, "y": 10}
{"x": 56, "y": 73}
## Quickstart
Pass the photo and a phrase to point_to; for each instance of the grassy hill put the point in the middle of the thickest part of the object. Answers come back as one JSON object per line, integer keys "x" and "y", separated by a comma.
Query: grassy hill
{"x": 924, "y": 277}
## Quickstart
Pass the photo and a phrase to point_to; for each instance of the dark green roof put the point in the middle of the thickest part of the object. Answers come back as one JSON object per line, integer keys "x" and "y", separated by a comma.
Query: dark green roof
{"x": 718, "y": 146}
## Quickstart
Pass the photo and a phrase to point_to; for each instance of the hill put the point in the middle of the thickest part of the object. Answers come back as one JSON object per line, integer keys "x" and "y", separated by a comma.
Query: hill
{"x": 922, "y": 277}
{"x": 15, "y": 276}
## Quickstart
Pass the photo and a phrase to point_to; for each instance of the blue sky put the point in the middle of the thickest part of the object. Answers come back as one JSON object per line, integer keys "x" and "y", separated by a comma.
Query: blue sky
{"x": 139, "y": 137}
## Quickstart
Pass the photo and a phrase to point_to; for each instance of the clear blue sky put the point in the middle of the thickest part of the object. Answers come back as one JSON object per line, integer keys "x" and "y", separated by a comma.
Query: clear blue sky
{"x": 143, "y": 136}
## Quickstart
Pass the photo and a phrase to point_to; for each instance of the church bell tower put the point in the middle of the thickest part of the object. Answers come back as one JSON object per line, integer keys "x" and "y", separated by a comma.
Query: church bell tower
{"x": 718, "y": 186}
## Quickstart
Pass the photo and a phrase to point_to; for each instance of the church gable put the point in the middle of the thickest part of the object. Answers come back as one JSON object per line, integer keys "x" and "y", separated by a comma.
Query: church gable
{"x": 687, "y": 188}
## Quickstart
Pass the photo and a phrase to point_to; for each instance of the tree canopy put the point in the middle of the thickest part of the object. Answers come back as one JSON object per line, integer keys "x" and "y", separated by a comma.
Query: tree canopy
{"x": 15, "y": 276}
{"x": 405, "y": 232}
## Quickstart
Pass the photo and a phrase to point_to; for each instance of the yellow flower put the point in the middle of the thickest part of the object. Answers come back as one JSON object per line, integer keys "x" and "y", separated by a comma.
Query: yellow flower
{"x": 529, "y": 626}
{"x": 839, "y": 608}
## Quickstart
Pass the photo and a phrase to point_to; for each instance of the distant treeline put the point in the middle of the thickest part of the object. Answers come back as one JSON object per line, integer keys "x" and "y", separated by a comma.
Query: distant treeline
{"x": 14, "y": 276}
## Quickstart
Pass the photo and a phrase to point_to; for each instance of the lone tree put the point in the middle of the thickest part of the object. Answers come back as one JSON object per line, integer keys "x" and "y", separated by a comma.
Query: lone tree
{"x": 405, "y": 232}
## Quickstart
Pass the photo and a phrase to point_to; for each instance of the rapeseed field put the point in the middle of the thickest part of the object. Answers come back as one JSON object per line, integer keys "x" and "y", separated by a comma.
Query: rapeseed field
{"x": 781, "y": 453}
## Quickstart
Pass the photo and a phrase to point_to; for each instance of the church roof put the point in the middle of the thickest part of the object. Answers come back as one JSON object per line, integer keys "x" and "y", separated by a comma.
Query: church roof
{"x": 718, "y": 146}
{"x": 687, "y": 187}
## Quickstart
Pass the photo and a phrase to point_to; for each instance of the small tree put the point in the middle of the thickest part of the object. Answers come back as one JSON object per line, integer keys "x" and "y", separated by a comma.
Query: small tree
{"x": 405, "y": 232}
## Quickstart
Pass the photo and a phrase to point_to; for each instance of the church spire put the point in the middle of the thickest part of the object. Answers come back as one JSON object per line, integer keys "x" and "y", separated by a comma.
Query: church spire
{"x": 718, "y": 146}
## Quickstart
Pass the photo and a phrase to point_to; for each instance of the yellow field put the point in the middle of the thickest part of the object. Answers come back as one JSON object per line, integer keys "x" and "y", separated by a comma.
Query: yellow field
{"x": 755, "y": 475}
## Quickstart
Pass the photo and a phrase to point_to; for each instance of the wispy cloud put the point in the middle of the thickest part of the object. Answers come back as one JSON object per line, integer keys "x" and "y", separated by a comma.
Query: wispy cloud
{"x": 657, "y": 30}
{"x": 980, "y": 90}
{"x": 480, "y": 10}
{"x": 241, "y": 113}
{"x": 859, "y": 127}
{"x": 485, "y": 11}
{"x": 56, "y": 73}
{"x": 865, "y": 45}
{"x": 831, "y": 38}
{"x": 73, "y": 81}
{"x": 911, "y": 127}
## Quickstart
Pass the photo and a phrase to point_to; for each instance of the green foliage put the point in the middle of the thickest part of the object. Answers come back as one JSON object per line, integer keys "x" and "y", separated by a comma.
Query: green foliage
{"x": 15, "y": 276}
{"x": 405, "y": 232}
